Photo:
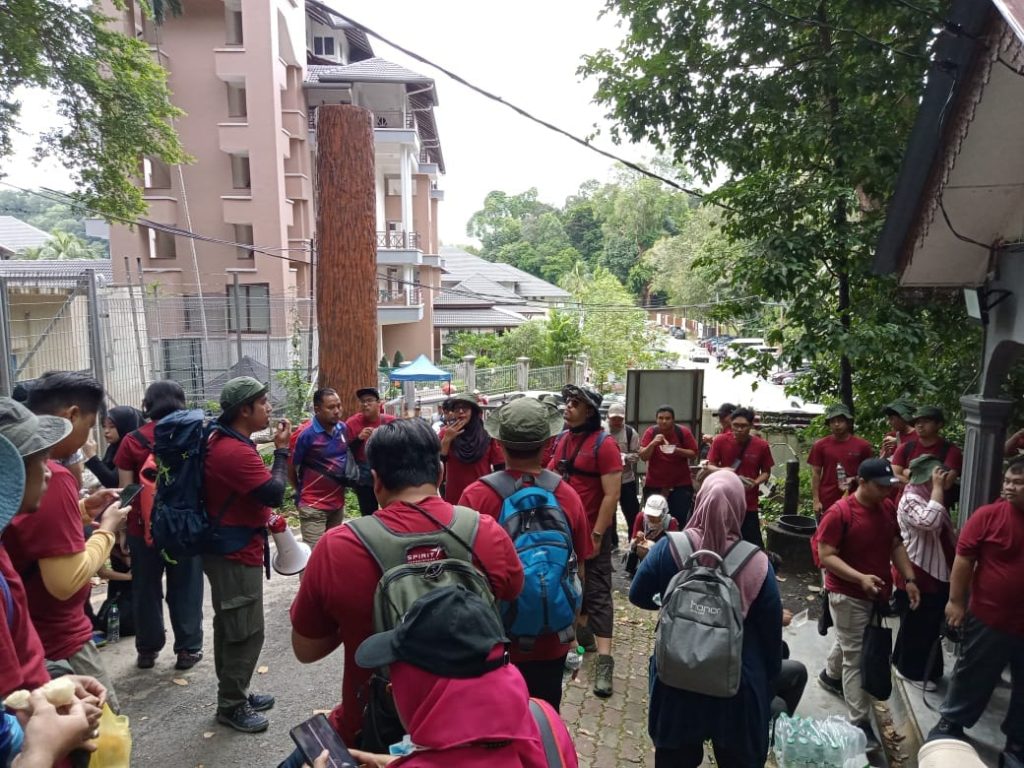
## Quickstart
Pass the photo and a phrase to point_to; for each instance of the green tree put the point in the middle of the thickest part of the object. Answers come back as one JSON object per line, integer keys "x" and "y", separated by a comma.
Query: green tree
{"x": 583, "y": 228}
{"x": 112, "y": 98}
{"x": 808, "y": 118}
{"x": 63, "y": 246}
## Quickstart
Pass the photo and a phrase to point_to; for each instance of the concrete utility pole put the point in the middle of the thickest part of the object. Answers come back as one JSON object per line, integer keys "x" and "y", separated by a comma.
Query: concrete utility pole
{"x": 346, "y": 266}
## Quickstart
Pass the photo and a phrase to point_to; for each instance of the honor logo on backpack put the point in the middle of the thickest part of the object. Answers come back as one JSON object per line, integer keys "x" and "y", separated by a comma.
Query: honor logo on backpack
{"x": 704, "y": 610}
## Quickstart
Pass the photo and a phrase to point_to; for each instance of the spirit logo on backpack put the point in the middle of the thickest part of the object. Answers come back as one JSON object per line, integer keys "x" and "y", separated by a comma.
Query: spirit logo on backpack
{"x": 406, "y": 576}
{"x": 180, "y": 523}
{"x": 698, "y": 644}
{"x": 539, "y": 529}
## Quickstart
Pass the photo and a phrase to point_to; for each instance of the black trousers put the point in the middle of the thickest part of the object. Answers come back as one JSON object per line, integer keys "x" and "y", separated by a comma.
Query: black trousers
{"x": 544, "y": 679}
{"x": 751, "y": 528}
{"x": 919, "y": 632}
{"x": 692, "y": 756}
{"x": 630, "y": 504}
{"x": 680, "y": 501}
{"x": 790, "y": 684}
{"x": 184, "y": 599}
{"x": 367, "y": 499}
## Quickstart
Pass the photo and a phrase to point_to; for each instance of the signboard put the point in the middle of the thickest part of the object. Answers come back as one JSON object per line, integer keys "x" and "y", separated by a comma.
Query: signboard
{"x": 683, "y": 390}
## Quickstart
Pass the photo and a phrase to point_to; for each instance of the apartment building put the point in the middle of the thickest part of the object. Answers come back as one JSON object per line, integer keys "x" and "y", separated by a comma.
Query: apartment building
{"x": 249, "y": 77}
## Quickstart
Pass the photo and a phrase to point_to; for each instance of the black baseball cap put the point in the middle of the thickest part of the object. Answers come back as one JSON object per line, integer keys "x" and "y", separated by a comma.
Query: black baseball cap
{"x": 364, "y": 391}
{"x": 587, "y": 395}
{"x": 449, "y": 632}
{"x": 877, "y": 471}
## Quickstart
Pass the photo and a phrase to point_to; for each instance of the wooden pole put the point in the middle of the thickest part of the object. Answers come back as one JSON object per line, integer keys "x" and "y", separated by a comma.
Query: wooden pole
{"x": 346, "y": 286}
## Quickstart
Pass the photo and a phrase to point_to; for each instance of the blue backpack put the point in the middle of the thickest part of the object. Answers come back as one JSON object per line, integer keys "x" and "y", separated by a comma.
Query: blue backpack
{"x": 540, "y": 531}
{"x": 181, "y": 525}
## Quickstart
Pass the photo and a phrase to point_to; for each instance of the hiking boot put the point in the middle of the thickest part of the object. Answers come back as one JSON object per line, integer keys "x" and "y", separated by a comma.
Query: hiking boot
{"x": 261, "y": 702}
{"x": 603, "y": 676}
{"x": 145, "y": 660}
{"x": 188, "y": 659}
{"x": 946, "y": 729}
{"x": 243, "y": 718}
{"x": 869, "y": 733}
{"x": 831, "y": 684}
{"x": 585, "y": 637}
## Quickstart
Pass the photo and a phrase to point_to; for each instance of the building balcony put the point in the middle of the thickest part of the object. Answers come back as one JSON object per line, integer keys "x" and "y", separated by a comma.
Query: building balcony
{"x": 161, "y": 208}
{"x": 399, "y": 248}
{"x": 230, "y": 64}
{"x": 295, "y": 122}
{"x": 233, "y": 137}
{"x": 237, "y": 209}
{"x": 399, "y": 306}
{"x": 389, "y": 127}
{"x": 298, "y": 186}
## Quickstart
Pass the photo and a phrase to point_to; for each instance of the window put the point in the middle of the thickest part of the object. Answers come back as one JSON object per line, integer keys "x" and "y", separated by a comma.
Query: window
{"x": 183, "y": 362}
{"x": 233, "y": 24}
{"x": 156, "y": 173}
{"x": 253, "y": 306}
{"x": 240, "y": 178}
{"x": 323, "y": 46}
{"x": 160, "y": 245}
{"x": 236, "y": 100}
{"x": 243, "y": 234}
{"x": 394, "y": 186}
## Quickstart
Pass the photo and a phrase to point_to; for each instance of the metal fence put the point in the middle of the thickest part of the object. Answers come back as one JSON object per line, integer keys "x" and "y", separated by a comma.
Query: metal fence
{"x": 494, "y": 381}
{"x": 550, "y": 379}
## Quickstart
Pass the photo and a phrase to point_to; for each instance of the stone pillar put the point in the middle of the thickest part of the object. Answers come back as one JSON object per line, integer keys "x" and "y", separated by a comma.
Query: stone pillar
{"x": 522, "y": 373}
{"x": 985, "y": 420}
{"x": 570, "y": 370}
{"x": 469, "y": 372}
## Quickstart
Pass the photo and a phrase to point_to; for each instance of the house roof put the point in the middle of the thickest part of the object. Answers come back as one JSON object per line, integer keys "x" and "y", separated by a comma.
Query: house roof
{"x": 460, "y": 265}
{"x": 477, "y": 290}
{"x": 495, "y": 317}
{"x": 358, "y": 42}
{"x": 373, "y": 70}
{"x": 54, "y": 273}
{"x": 920, "y": 209}
{"x": 16, "y": 235}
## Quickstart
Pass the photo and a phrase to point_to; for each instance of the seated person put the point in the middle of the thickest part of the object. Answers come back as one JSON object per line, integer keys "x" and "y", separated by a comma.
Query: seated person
{"x": 792, "y": 679}
{"x": 461, "y": 700}
{"x": 648, "y": 528}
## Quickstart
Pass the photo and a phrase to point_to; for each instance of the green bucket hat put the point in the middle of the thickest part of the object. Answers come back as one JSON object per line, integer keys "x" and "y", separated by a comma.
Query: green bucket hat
{"x": 240, "y": 391}
{"x": 524, "y": 424}
{"x": 902, "y": 408}
{"x": 13, "y": 486}
{"x": 930, "y": 412}
{"x": 922, "y": 467}
{"x": 838, "y": 410}
{"x": 463, "y": 397}
{"x": 28, "y": 432}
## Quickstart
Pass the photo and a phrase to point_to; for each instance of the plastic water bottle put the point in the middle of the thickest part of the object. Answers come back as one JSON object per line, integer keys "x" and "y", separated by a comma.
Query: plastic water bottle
{"x": 574, "y": 660}
{"x": 841, "y": 478}
{"x": 113, "y": 624}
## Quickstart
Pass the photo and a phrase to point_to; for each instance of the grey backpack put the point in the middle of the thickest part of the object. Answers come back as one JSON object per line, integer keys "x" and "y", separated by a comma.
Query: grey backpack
{"x": 698, "y": 644}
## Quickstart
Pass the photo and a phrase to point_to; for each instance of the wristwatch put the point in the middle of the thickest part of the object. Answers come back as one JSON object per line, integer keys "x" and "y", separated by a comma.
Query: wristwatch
{"x": 910, "y": 581}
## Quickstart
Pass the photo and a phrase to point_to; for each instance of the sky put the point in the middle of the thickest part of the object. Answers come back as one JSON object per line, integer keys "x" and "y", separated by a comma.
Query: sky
{"x": 526, "y": 52}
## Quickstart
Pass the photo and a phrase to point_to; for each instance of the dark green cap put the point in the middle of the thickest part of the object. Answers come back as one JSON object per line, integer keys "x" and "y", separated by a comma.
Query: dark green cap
{"x": 524, "y": 424}
{"x": 922, "y": 467}
{"x": 838, "y": 410}
{"x": 463, "y": 397}
{"x": 240, "y": 391}
{"x": 28, "y": 432}
{"x": 902, "y": 408}
{"x": 932, "y": 412}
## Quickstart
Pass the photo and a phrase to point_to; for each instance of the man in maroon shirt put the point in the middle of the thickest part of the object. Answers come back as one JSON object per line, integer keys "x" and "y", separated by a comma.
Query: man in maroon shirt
{"x": 589, "y": 460}
{"x": 989, "y": 564}
{"x": 360, "y": 426}
{"x": 834, "y": 459}
{"x": 900, "y": 415}
{"x": 750, "y": 457}
{"x": 667, "y": 448}
{"x": 330, "y": 610}
{"x": 523, "y": 427}
{"x": 239, "y": 492}
{"x": 858, "y": 538}
{"x": 928, "y": 423}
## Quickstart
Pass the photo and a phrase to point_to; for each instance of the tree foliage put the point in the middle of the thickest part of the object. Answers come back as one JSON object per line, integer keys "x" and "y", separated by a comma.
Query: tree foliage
{"x": 63, "y": 246}
{"x": 112, "y": 98}
{"x": 807, "y": 118}
{"x": 546, "y": 341}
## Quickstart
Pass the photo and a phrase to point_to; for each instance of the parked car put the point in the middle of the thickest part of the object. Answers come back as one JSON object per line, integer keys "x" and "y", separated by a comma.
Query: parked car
{"x": 606, "y": 403}
{"x": 700, "y": 355}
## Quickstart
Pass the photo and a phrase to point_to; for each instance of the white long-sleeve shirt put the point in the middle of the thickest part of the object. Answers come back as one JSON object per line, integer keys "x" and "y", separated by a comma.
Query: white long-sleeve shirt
{"x": 923, "y": 523}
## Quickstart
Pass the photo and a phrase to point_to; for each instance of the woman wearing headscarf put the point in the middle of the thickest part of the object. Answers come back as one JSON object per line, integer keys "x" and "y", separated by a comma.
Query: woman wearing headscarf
{"x": 679, "y": 722}
{"x": 119, "y": 422}
{"x": 467, "y": 451}
{"x": 463, "y": 704}
{"x": 927, "y": 533}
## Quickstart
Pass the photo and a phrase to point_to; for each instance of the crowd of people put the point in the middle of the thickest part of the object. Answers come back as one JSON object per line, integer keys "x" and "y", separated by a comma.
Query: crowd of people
{"x": 481, "y": 558}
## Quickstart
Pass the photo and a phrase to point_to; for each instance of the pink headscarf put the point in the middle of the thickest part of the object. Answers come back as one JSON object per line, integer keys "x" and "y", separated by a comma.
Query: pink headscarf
{"x": 715, "y": 524}
{"x": 445, "y": 716}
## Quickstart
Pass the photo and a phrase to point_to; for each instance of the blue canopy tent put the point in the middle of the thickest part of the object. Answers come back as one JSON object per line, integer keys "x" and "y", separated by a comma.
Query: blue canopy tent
{"x": 420, "y": 369}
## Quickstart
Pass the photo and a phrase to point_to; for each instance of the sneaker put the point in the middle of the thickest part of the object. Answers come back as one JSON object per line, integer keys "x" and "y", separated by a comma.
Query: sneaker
{"x": 145, "y": 660}
{"x": 188, "y": 659}
{"x": 243, "y": 718}
{"x": 603, "y": 676}
{"x": 946, "y": 729}
{"x": 585, "y": 637}
{"x": 869, "y": 733}
{"x": 831, "y": 684}
{"x": 261, "y": 702}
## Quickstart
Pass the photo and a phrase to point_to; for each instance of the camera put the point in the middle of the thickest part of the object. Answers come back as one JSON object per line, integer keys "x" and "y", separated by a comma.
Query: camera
{"x": 564, "y": 466}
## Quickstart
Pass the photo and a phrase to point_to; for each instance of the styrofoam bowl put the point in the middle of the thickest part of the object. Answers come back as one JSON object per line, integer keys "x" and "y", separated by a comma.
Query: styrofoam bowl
{"x": 667, "y": 448}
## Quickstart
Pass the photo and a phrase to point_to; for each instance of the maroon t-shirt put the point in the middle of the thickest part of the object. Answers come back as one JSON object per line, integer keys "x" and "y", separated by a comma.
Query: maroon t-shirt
{"x": 130, "y": 456}
{"x": 607, "y": 461}
{"x": 669, "y": 470}
{"x": 864, "y": 538}
{"x": 994, "y": 538}
{"x": 234, "y": 469}
{"x": 335, "y": 596}
{"x": 22, "y": 660}
{"x": 355, "y": 424}
{"x": 757, "y": 458}
{"x": 458, "y": 475}
{"x": 912, "y": 448}
{"x": 53, "y": 530}
{"x": 485, "y": 500}
{"x": 827, "y": 453}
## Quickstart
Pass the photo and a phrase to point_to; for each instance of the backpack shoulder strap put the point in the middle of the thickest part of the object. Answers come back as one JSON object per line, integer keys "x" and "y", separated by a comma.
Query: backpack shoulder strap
{"x": 501, "y": 482}
{"x": 388, "y": 548}
{"x": 384, "y": 547}
{"x": 464, "y": 526}
{"x": 945, "y": 450}
{"x": 141, "y": 439}
{"x": 680, "y": 547}
{"x": 602, "y": 435}
{"x": 739, "y": 554}
{"x": 552, "y": 752}
{"x": 548, "y": 480}
{"x": 8, "y": 601}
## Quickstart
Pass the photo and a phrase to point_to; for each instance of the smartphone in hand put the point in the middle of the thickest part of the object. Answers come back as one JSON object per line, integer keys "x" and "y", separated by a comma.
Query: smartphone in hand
{"x": 314, "y": 736}
{"x": 128, "y": 494}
